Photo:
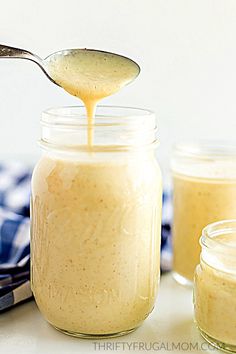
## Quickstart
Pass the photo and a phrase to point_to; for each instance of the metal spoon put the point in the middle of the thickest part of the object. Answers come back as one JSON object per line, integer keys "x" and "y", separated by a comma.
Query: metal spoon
{"x": 17, "y": 53}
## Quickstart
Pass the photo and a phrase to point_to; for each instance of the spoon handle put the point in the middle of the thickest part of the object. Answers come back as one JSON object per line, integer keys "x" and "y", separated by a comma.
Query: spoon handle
{"x": 11, "y": 52}
{"x": 8, "y": 52}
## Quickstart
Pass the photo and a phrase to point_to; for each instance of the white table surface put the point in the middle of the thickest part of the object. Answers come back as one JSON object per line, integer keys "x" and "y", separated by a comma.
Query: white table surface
{"x": 24, "y": 331}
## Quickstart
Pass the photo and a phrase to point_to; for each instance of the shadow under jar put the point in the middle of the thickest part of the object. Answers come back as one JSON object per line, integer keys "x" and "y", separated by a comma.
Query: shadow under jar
{"x": 96, "y": 221}
{"x": 215, "y": 285}
{"x": 204, "y": 191}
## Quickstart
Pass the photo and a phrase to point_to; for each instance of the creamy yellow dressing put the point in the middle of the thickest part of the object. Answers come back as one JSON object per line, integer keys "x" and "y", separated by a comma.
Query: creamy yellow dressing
{"x": 215, "y": 299}
{"x": 91, "y": 76}
{"x": 96, "y": 242}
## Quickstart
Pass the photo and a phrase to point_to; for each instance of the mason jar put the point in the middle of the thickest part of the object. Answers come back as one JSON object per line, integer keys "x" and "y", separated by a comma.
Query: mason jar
{"x": 96, "y": 221}
{"x": 204, "y": 191}
{"x": 215, "y": 285}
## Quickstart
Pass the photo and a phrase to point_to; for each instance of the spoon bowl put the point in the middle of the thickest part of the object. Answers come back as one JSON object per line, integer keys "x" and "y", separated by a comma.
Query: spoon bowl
{"x": 90, "y": 73}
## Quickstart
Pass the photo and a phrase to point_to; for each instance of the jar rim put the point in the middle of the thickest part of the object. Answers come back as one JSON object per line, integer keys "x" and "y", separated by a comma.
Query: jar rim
{"x": 75, "y": 116}
{"x": 211, "y": 232}
{"x": 113, "y": 127}
{"x": 206, "y": 149}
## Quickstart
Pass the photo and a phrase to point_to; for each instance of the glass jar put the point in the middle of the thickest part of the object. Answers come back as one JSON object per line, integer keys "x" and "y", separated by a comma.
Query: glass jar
{"x": 96, "y": 221}
{"x": 204, "y": 191}
{"x": 215, "y": 285}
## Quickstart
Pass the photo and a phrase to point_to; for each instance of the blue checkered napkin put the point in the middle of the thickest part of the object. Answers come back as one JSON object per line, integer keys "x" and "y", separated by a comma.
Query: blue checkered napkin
{"x": 15, "y": 187}
{"x": 166, "y": 249}
{"x": 15, "y": 230}
{"x": 14, "y": 234}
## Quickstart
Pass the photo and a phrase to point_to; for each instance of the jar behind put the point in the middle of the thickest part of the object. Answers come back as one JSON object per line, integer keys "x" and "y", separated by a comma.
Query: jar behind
{"x": 215, "y": 285}
{"x": 204, "y": 191}
{"x": 96, "y": 217}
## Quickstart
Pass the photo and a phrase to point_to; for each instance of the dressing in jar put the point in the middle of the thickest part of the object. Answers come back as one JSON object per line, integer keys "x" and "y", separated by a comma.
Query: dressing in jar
{"x": 96, "y": 221}
{"x": 204, "y": 191}
{"x": 215, "y": 285}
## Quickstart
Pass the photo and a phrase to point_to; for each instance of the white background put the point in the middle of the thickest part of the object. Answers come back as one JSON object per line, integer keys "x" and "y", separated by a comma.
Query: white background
{"x": 186, "y": 49}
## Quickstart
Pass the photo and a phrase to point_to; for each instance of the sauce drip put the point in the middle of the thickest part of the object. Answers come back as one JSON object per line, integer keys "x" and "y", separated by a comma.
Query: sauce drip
{"x": 91, "y": 76}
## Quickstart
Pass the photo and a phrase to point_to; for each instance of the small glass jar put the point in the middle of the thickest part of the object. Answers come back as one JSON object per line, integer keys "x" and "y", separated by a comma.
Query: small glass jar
{"x": 96, "y": 221}
{"x": 204, "y": 191}
{"x": 215, "y": 285}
